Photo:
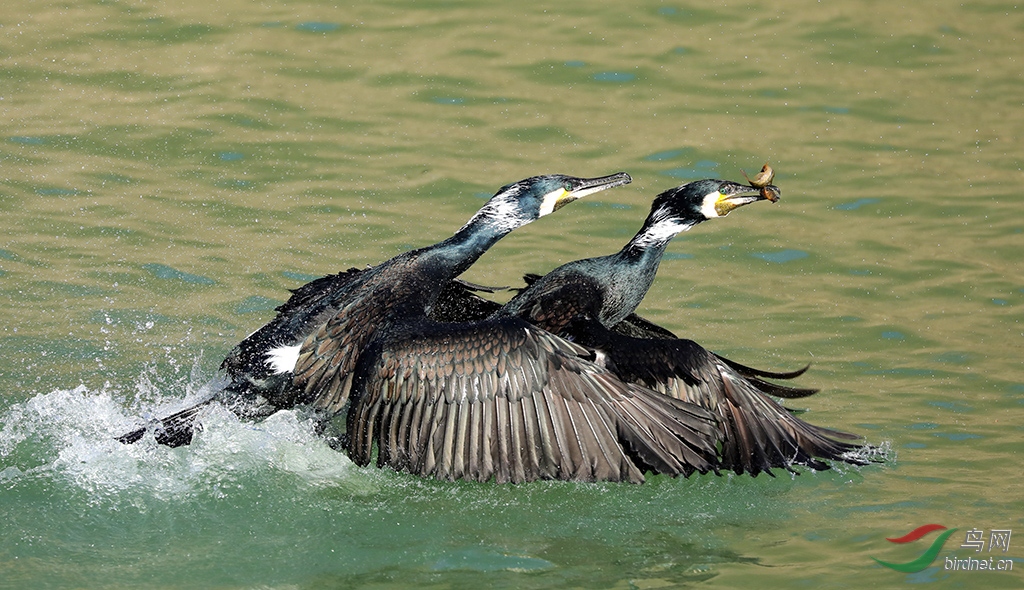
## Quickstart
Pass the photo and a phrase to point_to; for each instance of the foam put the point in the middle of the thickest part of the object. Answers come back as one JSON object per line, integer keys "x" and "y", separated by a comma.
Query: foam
{"x": 69, "y": 435}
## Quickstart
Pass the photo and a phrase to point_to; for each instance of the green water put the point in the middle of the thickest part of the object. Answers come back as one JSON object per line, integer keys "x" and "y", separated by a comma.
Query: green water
{"x": 167, "y": 173}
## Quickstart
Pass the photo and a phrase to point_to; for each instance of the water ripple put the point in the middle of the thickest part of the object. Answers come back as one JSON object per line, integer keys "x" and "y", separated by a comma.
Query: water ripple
{"x": 162, "y": 271}
{"x": 782, "y": 256}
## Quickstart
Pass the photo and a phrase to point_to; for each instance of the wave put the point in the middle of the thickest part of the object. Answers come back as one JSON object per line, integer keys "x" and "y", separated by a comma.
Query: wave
{"x": 69, "y": 435}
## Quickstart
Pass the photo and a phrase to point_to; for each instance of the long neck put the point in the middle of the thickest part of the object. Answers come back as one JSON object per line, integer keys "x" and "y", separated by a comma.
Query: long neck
{"x": 638, "y": 261}
{"x": 648, "y": 245}
{"x": 453, "y": 256}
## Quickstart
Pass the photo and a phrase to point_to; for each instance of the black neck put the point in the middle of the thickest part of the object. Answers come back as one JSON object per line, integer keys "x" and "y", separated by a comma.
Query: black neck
{"x": 638, "y": 261}
{"x": 456, "y": 254}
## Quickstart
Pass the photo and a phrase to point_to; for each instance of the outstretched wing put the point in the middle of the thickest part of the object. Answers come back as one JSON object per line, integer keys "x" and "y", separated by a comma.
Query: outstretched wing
{"x": 309, "y": 305}
{"x": 317, "y": 301}
{"x": 504, "y": 400}
{"x": 638, "y": 327}
{"x": 758, "y": 433}
{"x": 325, "y": 368}
{"x": 174, "y": 430}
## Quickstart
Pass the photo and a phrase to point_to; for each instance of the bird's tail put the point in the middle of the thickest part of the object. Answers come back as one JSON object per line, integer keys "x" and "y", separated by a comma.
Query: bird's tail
{"x": 177, "y": 429}
{"x": 760, "y": 434}
{"x": 174, "y": 431}
{"x": 755, "y": 376}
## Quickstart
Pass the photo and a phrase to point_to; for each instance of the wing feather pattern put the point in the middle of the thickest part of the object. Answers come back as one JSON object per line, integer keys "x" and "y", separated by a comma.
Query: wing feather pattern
{"x": 758, "y": 433}
{"x": 308, "y": 306}
{"x": 325, "y": 372}
{"x": 442, "y": 402}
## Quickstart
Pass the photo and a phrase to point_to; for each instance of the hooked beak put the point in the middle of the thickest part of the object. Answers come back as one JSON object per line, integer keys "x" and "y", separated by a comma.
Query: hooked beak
{"x": 581, "y": 187}
{"x": 737, "y": 195}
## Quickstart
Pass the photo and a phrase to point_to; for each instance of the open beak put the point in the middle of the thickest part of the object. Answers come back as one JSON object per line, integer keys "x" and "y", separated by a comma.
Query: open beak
{"x": 736, "y": 195}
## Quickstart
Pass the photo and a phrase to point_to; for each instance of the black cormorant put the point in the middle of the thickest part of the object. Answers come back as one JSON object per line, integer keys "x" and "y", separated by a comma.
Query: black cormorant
{"x": 592, "y": 301}
{"x": 498, "y": 398}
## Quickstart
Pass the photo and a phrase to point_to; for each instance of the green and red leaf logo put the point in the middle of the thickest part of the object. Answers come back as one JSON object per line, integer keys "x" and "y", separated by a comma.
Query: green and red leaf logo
{"x": 927, "y": 557}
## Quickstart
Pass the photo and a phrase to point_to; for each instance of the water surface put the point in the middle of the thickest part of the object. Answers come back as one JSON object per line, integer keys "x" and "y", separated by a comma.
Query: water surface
{"x": 167, "y": 173}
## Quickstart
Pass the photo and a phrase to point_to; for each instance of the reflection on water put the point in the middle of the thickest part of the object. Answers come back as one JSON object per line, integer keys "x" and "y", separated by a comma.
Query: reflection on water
{"x": 167, "y": 173}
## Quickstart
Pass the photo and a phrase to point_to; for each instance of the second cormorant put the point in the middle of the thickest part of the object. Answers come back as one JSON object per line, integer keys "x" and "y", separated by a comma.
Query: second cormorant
{"x": 592, "y": 301}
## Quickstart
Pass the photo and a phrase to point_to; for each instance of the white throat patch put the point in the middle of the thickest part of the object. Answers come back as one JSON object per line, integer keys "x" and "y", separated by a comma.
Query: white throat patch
{"x": 547, "y": 205}
{"x": 661, "y": 232}
{"x": 708, "y": 207}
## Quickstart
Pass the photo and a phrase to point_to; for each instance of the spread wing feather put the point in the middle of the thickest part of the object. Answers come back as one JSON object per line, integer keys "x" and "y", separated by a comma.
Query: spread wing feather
{"x": 308, "y": 306}
{"x": 328, "y": 357}
{"x": 531, "y": 407}
{"x": 638, "y": 327}
{"x": 758, "y": 433}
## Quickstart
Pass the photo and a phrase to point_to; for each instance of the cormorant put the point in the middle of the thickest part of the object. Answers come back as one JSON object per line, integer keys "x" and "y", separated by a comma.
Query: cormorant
{"x": 497, "y": 398}
{"x": 592, "y": 301}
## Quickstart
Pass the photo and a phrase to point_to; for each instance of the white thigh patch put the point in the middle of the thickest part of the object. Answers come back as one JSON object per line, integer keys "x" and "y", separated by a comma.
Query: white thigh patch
{"x": 283, "y": 358}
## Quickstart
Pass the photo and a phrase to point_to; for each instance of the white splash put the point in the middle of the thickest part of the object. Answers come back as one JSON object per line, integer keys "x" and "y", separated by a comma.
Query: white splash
{"x": 69, "y": 435}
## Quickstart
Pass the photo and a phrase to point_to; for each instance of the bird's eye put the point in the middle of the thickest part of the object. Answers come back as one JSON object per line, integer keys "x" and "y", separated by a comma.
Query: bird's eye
{"x": 567, "y": 188}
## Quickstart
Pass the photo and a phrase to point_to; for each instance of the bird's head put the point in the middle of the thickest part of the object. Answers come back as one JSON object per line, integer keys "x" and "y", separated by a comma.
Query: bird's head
{"x": 678, "y": 209}
{"x": 521, "y": 202}
{"x": 701, "y": 200}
